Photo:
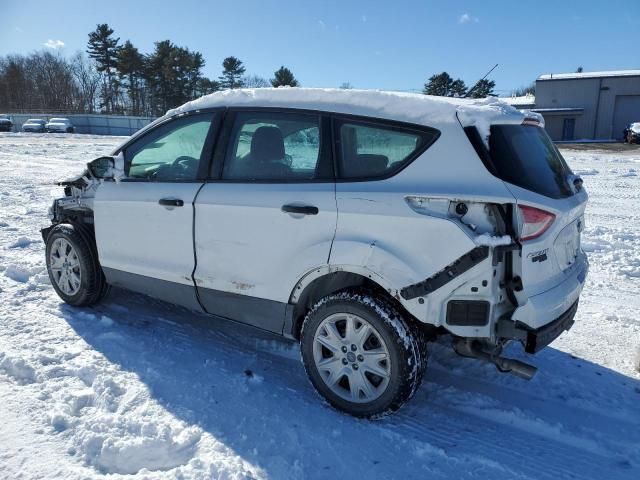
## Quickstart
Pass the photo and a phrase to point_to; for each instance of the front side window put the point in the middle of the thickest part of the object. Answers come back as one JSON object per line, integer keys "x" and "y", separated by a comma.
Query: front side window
{"x": 370, "y": 151}
{"x": 171, "y": 152}
{"x": 273, "y": 147}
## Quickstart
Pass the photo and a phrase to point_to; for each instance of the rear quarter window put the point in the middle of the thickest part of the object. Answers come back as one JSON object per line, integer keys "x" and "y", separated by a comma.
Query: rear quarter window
{"x": 371, "y": 150}
{"x": 525, "y": 156}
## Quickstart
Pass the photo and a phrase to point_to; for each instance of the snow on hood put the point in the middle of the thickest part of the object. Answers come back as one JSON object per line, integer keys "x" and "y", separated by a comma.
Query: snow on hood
{"x": 635, "y": 127}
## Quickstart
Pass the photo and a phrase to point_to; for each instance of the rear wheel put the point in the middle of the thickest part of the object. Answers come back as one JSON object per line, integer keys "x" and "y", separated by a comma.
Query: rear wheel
{"x": 73, "y": 267}
{"x": 361, "y": 355}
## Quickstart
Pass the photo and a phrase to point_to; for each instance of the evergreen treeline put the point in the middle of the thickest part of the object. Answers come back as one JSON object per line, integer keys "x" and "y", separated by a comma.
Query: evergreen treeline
{"x": 443, "y": 85}
{"x": 115, "y": 77}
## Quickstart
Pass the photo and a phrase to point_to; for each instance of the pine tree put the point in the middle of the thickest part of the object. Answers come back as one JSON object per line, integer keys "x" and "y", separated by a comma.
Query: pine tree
{"x": 484, "y": 88}
{"x": 438, "y": 85}
{"x": 103, "y": 48}
{"x": 284, "y": 77}
{"x": 174, "y": 76}
{"x": 458, "y": 88}
{"x": 442, "y": 85}
{"x": 232, "y": 74}
{"x": 130, "y": 67}
{"x": 206, "y": 86}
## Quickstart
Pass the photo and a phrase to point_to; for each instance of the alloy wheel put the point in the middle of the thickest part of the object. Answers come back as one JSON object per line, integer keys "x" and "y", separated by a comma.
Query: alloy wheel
{"x": 352, "y": 358}
{"x": 65, "y": 266}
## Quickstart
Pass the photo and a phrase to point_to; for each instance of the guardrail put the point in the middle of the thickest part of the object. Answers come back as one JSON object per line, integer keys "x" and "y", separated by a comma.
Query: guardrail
{"x": 97, "y": 124}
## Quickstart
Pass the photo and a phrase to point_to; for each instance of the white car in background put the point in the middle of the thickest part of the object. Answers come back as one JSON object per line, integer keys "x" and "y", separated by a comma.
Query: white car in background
{"x": 59, "y": 125}
{"x": 34, "y": 125}
{"x": 361, "y": 224}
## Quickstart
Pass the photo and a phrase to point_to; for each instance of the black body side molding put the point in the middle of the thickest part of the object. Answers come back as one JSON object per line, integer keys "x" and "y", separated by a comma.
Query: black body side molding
{"x": 444, "y": 276}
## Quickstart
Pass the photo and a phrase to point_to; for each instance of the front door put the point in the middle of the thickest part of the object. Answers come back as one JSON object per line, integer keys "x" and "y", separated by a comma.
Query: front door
{"x": 144, "y": 223}
{"x": 268, "y": 219}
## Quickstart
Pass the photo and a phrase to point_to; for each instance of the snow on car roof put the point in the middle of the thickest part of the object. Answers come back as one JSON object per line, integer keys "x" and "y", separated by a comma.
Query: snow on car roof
{"x": 611, "y": 73}
{"x": 408, "y": 107}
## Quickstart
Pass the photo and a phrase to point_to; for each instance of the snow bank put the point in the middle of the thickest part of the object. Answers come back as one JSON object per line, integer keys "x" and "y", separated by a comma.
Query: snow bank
{"x": 22, "y": 242}
{"x": 17, "y": 368}
{"x": 17, "y": 273}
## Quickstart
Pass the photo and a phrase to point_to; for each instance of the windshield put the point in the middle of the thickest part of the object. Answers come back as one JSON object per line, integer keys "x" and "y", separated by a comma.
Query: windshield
{"x": 525, "y": 156}
{"x": 635, "y": 127}
{"x": 35, "y": 121}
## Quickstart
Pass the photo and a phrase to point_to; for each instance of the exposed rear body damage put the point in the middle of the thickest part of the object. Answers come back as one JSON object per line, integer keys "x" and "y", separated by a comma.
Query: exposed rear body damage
{"x": 413, "y": 216}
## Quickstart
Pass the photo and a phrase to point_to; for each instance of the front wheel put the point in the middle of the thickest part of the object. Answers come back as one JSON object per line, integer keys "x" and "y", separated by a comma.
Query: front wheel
{"x": 361, "y": 355}
{"x": 72, "y": 264}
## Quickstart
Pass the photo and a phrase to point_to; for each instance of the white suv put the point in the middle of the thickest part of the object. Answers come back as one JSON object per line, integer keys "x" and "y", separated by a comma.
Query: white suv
{"x": 360, "y": 223}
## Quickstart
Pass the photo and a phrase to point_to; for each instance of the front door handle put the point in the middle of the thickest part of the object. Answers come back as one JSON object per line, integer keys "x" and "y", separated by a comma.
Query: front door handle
{"x": 301, "y": 209}
{"x": 171, "y": 202}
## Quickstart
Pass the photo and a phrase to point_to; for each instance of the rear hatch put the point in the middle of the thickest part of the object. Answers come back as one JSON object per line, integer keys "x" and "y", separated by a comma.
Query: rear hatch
{"x": 550, "y": 202}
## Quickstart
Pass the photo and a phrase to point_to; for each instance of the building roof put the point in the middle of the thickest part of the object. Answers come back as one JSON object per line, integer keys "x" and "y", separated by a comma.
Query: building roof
{"x": 573, "y": 76}
{"x": 522, "y": 100}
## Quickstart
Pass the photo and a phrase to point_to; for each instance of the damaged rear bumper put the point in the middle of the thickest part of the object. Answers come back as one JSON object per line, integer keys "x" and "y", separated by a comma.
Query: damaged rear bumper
{"x": 535, "y": 340}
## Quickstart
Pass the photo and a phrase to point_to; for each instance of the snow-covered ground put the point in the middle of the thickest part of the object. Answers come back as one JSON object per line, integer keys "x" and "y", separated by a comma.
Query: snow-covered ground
{"x": 141, "y": 389}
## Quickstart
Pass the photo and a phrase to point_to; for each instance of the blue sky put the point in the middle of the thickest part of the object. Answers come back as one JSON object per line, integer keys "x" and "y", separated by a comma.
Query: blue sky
{"x": 371, "y": 44}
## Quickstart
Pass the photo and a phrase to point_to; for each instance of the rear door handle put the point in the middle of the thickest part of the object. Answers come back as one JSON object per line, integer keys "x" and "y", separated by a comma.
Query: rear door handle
{"x": 171, "y": 202}
{"x": 301, "y": 209}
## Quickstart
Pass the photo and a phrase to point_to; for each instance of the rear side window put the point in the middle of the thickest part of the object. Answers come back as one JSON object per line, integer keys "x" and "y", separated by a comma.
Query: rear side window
{"x": 367, "y": 151}
{"x": 525, "y": 156}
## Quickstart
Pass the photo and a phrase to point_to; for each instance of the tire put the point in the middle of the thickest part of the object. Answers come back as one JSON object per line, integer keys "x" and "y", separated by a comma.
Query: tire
{"x": 392, "y": 347}
{"x": 72, "y": 264}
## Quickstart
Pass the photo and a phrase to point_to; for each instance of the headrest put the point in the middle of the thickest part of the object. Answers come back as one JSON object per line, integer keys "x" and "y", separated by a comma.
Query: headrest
{"x": 267, "y": 144}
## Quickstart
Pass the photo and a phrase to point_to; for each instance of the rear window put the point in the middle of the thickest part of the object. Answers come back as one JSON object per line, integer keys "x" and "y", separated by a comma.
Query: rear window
{"x": 369, "y": 151}
{"x": 525, "y": 156}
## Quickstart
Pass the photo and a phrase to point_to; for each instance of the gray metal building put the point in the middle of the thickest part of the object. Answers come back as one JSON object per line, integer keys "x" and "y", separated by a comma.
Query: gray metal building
{"x": 588, "y": 105}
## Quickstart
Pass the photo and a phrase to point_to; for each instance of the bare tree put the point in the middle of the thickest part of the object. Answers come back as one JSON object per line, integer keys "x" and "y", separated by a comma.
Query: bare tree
{"x": 88, "y": 81}
{"x": 255, "y": 81}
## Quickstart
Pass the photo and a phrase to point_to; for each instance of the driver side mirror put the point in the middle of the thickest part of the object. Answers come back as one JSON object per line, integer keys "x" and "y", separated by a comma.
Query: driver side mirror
{"x": 102, "y": 167}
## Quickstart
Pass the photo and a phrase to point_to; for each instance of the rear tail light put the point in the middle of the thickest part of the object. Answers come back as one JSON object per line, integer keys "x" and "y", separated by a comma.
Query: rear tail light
{"x": 534, "y": 222}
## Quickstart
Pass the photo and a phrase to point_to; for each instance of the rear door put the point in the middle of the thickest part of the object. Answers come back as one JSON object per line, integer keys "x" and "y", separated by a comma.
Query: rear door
{"x": 267, "y": 218}
{"x": 144, "y": 223}
{"x": 552, "y": 207}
